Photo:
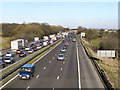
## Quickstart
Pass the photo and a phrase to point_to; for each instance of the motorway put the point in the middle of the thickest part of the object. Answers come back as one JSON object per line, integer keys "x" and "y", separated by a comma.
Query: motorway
{"x": 51, "y": 73}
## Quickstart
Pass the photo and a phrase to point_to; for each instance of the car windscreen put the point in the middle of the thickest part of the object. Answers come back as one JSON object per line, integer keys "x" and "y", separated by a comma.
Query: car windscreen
{"x": 7, "y": 58}
{"x": 60, "y": 55}
{"x": 25, "y": 70}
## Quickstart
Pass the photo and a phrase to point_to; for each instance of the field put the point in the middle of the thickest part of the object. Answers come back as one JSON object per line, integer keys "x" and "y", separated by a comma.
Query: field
{"x": 4, "y": 42}
{"x": 96, "y": 42}
{"x": 109, "y": 65}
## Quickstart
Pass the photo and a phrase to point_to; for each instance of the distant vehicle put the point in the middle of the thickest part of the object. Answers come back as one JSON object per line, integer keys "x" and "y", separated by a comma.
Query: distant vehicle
{"x": 27, "y": 71}
{"x": 19, "y": 51}
{"x": 22, "y": 54}
{"x": 44, "y": 43}
{"x": 65, "y": 46}
{"x": 1, "y": 58}
{"x": 74, "y": 40}
{"x": 35, "y": 48}
{"x": 27, "y": 48}
{"x": 31, "y": 51}
{"x": 2, "y": 64}
{"x": 9, "y": 60}
{"x": 63, "y": 49}
{"x": 67, "y": 43}
{"x": 39, "y": 47}
{"x": 10, "y": 54}
{"x": 60, "y": 57}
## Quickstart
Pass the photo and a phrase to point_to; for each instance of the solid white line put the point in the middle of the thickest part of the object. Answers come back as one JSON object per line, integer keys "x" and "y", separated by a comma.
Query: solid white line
{"x": 44, "y": 68}
{"x": 37, "y": 76}
{"x": 61, "y": 69}
{"x": 58, "y": 77}
{"x": 8, "y": 81}
{"x": 32, "y": 63}
{"x": 78, "y": 67}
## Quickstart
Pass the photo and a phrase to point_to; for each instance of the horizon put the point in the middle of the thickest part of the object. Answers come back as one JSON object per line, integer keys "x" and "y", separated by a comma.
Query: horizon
{"x": 67, "y": 14}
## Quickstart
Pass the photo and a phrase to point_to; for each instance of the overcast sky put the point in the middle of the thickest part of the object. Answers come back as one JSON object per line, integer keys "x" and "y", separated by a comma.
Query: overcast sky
{"x": 67, "y": 14}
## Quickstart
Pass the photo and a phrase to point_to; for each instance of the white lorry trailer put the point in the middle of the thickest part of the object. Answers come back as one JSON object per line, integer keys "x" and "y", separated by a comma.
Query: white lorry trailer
{"x": 16, "y": 44}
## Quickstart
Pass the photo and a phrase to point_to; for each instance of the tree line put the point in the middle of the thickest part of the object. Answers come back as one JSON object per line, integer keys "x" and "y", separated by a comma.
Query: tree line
{"x": 109, "y": 39}
{"x": 29, "y": 31}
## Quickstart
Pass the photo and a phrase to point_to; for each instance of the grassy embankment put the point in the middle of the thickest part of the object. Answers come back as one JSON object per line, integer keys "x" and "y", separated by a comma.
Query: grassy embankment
{"x": 4, "y": 42}
{"x": 109, "y": 65}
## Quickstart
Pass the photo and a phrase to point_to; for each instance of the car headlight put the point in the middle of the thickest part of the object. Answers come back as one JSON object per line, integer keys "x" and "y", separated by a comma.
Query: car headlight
{"x": 20, "y": 75}
{"x": 28, "y": 75}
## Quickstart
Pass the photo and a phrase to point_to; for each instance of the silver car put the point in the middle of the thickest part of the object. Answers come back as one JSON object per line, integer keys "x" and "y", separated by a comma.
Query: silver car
{"x": 60, "y": 57}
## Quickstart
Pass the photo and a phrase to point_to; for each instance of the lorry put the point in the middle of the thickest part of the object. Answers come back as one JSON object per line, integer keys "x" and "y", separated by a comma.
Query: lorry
{"x": 45, "y": 38}
{"x": 16, "y": 44}
{"x": 36, "y": 39}
{"x": 27, "y": 71}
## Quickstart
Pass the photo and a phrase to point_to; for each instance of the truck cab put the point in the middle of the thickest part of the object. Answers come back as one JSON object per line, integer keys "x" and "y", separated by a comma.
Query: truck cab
{"x": 27, "y": 71}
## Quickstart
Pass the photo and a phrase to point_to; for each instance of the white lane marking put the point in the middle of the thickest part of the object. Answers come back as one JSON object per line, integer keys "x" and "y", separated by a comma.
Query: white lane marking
{"x": 58, "y": 77}
{"x": 65, "y": 58}
{"x": 37, "y": 76}
{"x": 27, "y": 88}
{"x": 53, "y": 57}
{"x": 61, "y": 69}
{"x": 78, "y": 67}
{"x": 66, "y": 55}
{"x": 44, "y": 68}
{"x": 8, "y": 81}
{"x": 32, "y": 63}
{"x": 63, "y": 62}
{"x": 49, "y": 61}
{"x": 53, "y": 88}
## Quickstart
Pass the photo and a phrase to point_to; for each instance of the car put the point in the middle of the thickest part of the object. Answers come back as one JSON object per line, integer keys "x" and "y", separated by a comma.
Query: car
{"x": 35, "y": 48}
{"x": 27, "y": 71}
{"x": 60, "y": 57}
{"x": 65, "y": 46}
{"x": 9, "y": 60}
{"x": 27, "y": 48}
{"x": 19, "y": 51}
{"x": 67, "y": 43}
{"x": 63, "y": 49}
{"x": 10, "y": 54}
{"x": 31, "y": 51}
{"x": 2, "y": 64}
{"x": 22, "y": 54}
{"x": 1, "y": 58}
{"x": 74, "y": 40}
{"x": 39, "y": 47}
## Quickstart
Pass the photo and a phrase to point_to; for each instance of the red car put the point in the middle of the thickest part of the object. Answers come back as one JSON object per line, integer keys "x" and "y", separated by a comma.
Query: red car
{"x": 67, "y": 43}
{"x": 19, "y": 51}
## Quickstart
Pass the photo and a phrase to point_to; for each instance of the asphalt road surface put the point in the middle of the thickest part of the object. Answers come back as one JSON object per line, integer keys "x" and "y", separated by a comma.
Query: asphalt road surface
{"x": 51, "y": 73}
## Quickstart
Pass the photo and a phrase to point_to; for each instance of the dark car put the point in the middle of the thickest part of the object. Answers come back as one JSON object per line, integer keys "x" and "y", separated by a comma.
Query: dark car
{"x": 19, "y": 51}
{"x": 65, "y": 46}
{"x": 35, "y": 48}
{"x": 22, "y": 54}
{"x": 2, "y": 64}
{"x": 9, "y": 60}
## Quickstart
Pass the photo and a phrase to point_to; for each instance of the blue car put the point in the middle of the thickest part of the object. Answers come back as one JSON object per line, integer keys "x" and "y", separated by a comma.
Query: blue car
{"x": 22, "y": 54}
{"x": 27, "y": 71}
{"x": 2, "y": 64}
{"x": 9, "y": 60}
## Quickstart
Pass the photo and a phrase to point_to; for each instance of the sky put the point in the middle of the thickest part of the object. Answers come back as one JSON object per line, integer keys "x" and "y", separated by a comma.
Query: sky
{"x": 67, "y": 14}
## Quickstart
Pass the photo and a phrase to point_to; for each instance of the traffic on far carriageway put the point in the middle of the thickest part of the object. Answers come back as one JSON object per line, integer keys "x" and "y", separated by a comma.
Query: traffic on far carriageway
{"x": 16, "y": 55}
